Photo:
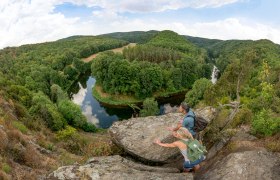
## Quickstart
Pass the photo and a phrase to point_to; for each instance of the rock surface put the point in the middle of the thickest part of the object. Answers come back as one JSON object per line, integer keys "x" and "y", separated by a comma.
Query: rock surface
{"x": 118, "y": 168}
{"x": 136, "y": 135}
{"x": 249, "y": 165}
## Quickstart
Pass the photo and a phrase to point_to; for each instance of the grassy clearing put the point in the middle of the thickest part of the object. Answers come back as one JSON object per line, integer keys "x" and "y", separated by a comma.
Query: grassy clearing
{"x": 125, "y": 100}
{"x": 117, "y": 50}
{"x": 120, "y": 100}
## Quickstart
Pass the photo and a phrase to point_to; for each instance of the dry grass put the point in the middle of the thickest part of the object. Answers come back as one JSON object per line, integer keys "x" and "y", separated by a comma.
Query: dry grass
{"x": 117, "y": 50}
{"x": 3, "y": 140}
{"x": 4, "y": 176}
{"x": 32, "y": 157}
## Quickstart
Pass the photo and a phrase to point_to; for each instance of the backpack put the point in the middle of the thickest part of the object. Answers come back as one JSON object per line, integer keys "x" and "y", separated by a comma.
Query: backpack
{"x": 195, "y": 149}
{"x": 199, "y": 123}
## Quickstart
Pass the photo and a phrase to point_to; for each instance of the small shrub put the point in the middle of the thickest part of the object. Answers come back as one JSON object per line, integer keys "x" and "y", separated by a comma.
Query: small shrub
{"x": 16, "y": 152}
{"x": 20, "y": 126}
{"x": 76, "y": 144}
{"x": 50, "y": 147}
{"x": 6, "y": 168}
{"x": 265, "y": 124}
{"x": 243, "y": 116}
{"x": 273, "y": 146}
{"x": 66, "y": 133}
{"x": 197, "y": 92}
{"x": 150, "y": 108}
{"x": 33, "y": 123}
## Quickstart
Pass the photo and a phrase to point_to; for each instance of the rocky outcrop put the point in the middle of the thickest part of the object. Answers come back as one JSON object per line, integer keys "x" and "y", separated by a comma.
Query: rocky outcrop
{"x": 250, "y": 165}
{"x": 136, "y": 135}
{"x": 118, "y": 168}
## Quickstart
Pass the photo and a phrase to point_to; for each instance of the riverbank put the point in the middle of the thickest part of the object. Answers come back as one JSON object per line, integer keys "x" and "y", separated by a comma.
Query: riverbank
{"x": 126, "y": 101}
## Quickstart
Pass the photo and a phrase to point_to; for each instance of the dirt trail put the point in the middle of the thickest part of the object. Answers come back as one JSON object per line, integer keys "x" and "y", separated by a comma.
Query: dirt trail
{"x": 119, "y": 50}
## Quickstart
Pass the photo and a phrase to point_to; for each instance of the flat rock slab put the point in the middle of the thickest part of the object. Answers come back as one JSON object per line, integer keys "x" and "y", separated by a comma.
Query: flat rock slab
{"x": 136, "y": 135}
{"x": 117, "y": 168}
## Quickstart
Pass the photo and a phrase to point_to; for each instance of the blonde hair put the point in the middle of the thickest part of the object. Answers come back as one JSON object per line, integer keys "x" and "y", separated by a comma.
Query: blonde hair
{"x": 184, "y": 133}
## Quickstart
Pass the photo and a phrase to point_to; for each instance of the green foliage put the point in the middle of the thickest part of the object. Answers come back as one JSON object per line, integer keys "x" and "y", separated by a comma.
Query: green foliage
{"x": 20, "y": 126}
{"x": 46, "y": 110}
{"x": 167, "y": 63}
{"x": 21, "y": 94}
{"x": 57, "y": 94}
{"x": 151, "y": 53}
{"x": 172, "y": 40}
{"x": 66, "y": 133}
{"x": 150, "y": 108}
{"x": 73, "y": 115}
{"x": 197, "y": 92}
{"x": 243, "y": 116}
{"x": 134, "y": 36}
{"x": 265, "y": 123}
{"x": 31, "y": 74}
{"x": 6, "y": 168}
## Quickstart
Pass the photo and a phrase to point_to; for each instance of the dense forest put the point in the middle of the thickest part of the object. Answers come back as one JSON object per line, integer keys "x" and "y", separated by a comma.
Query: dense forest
{"x": 167, "y": 63}
{"x": 249, "y": 85}
{"x": 37, "y": 77}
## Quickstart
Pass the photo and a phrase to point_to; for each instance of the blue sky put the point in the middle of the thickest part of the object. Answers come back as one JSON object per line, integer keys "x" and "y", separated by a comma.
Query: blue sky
{"x": 33, "y": 21}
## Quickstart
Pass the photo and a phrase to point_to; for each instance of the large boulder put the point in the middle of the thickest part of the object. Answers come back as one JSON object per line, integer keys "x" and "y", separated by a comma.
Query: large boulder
{"x": 250, "y": 165}
{"x": 116, "y": 167}
{"x": 136, "y": 135}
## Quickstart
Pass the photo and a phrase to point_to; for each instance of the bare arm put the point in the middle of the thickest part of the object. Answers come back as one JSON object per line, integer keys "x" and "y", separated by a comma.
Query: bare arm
{"x": 177, "y": 127}
{"x": 174, "y": 144}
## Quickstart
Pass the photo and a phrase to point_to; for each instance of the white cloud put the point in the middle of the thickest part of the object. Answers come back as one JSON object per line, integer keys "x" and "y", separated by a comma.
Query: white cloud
{"x": 152, "y": 5}
{"x": 25, "y": 21}
{"x": 87, "y": 111}
{"x": 80, "y": 96}
{"x": 233, "y": 28}
{"x": 230, "y": 28}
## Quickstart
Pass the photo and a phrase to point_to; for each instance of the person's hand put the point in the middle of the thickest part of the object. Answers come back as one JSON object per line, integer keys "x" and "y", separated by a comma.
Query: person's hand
{"x": 157, "y": 141}
{"x": 169, "y": 128}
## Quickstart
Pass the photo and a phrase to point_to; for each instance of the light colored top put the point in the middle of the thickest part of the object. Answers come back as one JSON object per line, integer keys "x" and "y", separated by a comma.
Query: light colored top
{"x": 184, "y": 152}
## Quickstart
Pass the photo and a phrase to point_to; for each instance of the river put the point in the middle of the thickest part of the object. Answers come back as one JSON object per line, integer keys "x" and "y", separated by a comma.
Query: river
{"x": 104, "y": 116}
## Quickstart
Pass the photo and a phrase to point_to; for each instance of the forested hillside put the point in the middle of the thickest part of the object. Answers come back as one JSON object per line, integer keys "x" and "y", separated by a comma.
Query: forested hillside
{"x": 167, "y": 63}
{"x": 34, "y": 79}
{"x": 37, "y": 77}
{"x": 139, "y": 37}
{"x": 33, "y": 100}
{"x": 249, "y": 82}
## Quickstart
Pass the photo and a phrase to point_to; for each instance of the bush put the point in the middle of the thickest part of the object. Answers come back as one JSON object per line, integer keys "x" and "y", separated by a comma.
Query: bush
{"x": 265, "y": 124}
{"x": 243, "y": 116}
{"x": 6, "y": 168}
{"x": 197, "y": 92}
{"x": 73, "y": 114}
{"x": 76, "y": 144}
{"x": 66, "y": 133}
{"x": 150, "y": 108}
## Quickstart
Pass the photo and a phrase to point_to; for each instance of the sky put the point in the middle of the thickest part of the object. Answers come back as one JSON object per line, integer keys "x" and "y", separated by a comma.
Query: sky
{"x": 35, "y": 21}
